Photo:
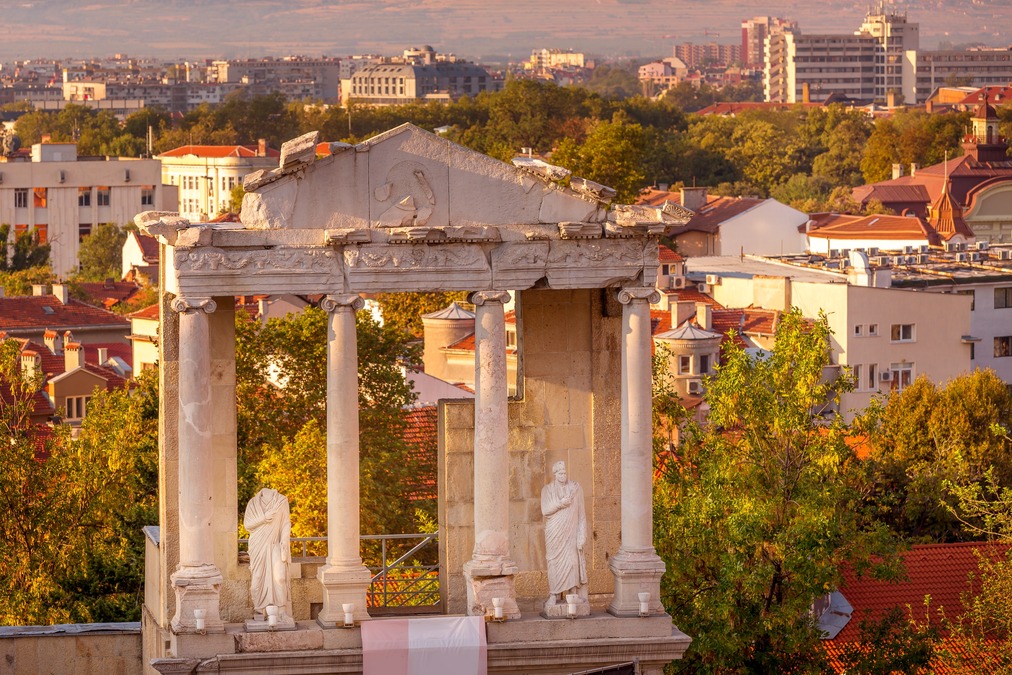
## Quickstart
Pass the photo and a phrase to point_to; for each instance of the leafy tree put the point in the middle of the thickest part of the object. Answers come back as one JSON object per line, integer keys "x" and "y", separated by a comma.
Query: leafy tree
{"x": 613, "y": 154}
{"x": 26, "y": 252}
{"x": 613, "y": 81}
{"x": 101, "y": 253}
{"x": 235, "y": 196}
{"x": 71, "y": 511}
{"x": 292, "y": 352}
{"x": 404, "y": 311}
{"x": 756, "y": 513}
{"x": 20, "y": 282}
{"x": 928, "y": 437}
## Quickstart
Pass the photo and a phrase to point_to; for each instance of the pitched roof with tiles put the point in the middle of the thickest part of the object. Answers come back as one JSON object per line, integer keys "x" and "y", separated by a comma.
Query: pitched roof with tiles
{"x": 939, "y": 570}
{"x": 28, "y": 312}
{"x": 467, "y": 343}
{"x": 842, "y": 226}
{"x": 109, "y": 293}
{"x": 666, "y": 255}
{"x": 420, "y": 435}
{"x": 997, "y": 94}
{"x": 710, "y": 217}
{"x": 148, "y": 246}
{"x": 947, "y": 218}
{"x": 149, "y": 312}
{"x": 216, "y": 151}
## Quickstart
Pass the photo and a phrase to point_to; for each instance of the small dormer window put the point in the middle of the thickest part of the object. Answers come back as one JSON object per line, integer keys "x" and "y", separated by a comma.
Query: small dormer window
{"x": 48, "y": 310}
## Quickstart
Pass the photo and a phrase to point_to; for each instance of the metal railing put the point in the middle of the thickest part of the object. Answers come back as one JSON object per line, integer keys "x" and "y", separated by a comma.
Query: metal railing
{"x": 405, "y": 578}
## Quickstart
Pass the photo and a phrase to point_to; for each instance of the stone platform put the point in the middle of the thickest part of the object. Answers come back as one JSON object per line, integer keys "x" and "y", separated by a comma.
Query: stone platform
{"x": 526, "y": 645}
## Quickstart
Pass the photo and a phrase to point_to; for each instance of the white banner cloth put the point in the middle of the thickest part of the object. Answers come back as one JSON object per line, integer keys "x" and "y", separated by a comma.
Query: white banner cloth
{"x": 441, "y": 645}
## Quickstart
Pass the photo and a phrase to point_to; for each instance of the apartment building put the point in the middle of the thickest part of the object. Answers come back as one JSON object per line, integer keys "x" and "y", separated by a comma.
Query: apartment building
{"x": 972, "y": 67}
{"x": 204, "y": 175}
{"x": 61, "y": 196}
{"x": 753, "y": 37}
{"x": 323, "y": 74}
{"x": 419, "y": 74}
{"x": 542, "y": 59}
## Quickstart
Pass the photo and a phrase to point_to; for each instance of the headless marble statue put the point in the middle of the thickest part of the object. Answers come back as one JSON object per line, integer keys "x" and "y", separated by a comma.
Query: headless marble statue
{"x": 269, "y": 524}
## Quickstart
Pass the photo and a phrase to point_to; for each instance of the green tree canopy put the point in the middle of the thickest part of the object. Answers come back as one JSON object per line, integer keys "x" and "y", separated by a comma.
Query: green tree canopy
{"x": 756, "y": 513}
{"x": 101, "y": 253}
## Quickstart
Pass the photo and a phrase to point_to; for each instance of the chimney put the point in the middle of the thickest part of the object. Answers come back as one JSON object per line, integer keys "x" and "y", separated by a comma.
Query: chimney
{"x": 914, "y": 166}
{"x": 806, "y": 93}
{"x": 683, "y": 310}
{"x": 30, "y": 363}
{"x": 704, "y": 315}
{"x": 897, "y": 171}
{"x": 54, "y": 342}
{"x": 73, "y": 356}
{"x": 693, "y": 198}
{"x": 38, "y": 290}
{"x": 261, "y": 147}
{"x": 62, "y": 293}
{"x": 891, "y": 99}
{"x": 45, "y": 138}
{"x": 929, "y": 106}
{"x": 103, "y": 355}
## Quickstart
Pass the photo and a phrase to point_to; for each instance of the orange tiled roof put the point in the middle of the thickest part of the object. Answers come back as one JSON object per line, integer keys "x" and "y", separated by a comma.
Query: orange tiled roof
{"x": 996, "y": 94}
{"x": 109, "y": 293}
{"x": 28, "y": 312}
{"x": 420, "y": 435}
{"x": 666, "y": 255}
{"x": 216, "y": 151}
{"x": 149, "y": 312}
{"x": 709, "y": 218}
{"x": 842, "y": 226}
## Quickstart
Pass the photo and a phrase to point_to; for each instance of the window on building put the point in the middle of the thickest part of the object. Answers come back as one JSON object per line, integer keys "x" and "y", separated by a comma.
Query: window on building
{"x": 103, "y": 196}
{"x": 684, "y": 365}
{"x": 1003, "y": 297}
{"x": 704, "y": 364}
{"x": 902, "y": 332}
{"x": 858, "y": 330}
{"x": 43, "y": 231}
{"x": 856, "y": 371}
{"x": 1003, "y": 346}
{"x": 147, "y": 196}
{"x": 21, "y": 198}
{"x": 83, "y": 230}
{"x": 77, "y": 407}
{"x": 84, "y": 196}
{"x": 902, "y": 374}
{"x": 40, "y": 195}
{"x": 872, "y": 376}
{"x": 873, "y": 329}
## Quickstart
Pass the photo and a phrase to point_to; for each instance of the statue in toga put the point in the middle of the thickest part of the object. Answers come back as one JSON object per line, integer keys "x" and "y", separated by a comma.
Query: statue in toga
{"x": 270, "y": 530}
{"x": 565, "y": 535}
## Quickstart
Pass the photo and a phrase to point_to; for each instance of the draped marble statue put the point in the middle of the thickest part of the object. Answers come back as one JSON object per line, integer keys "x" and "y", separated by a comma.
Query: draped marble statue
{"x": 268, "y": 521}
{"x": 565, "y": 535}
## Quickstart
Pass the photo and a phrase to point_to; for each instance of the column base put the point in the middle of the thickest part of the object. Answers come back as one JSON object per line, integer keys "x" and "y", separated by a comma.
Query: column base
{"x": 636, "y": 572}
{"x": 342, "y": 585}
{"x": 197, "y": 587}
{"x": 487, "y": 579}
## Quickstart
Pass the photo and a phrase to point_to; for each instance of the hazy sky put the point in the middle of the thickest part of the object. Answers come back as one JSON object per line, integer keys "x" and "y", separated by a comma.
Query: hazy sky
{"x": 471, "y": 28}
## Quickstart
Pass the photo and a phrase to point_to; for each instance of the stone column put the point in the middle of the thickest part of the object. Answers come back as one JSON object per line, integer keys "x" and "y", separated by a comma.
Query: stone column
{"x": 196, "y": 581}
{"x": 490, "y": 572}
{"x": 636, "y": 566}
{"x": 344, "y": 577}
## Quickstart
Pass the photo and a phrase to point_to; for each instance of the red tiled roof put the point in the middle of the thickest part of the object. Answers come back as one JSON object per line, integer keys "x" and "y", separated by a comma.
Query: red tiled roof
{"x": 660, "y": 321}
{"x": 947, "y": 218}
{"x": 466, "y": 343}
{"x": 693, "y": 295}
{"x": 109, "y": 293}
{"x": 842, "y": 226}
{"x": 892, "y": 192}
{"x": 420, "y": 434}
{"x": 148, "y": 246}
{"x": 27, "y": 312}
{"x": 213, "y": 151}
{"x": 760, "y": 321}
{"x": 724, "y": 321}
{"x": 149, "y": 312}
{"x": 938, "y": 570}
{"x": 117, "y": 349}
{"x": 732, "y": 108}
{"x": 666, "y": 255}
{"x": 113, "y": 380}
{"x": 709, "y": 218}
{"x": 995, "y": 94}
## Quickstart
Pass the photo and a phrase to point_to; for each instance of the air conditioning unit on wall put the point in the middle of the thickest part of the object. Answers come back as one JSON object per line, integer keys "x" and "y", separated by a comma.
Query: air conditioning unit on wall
{"x": 695, "y": 387}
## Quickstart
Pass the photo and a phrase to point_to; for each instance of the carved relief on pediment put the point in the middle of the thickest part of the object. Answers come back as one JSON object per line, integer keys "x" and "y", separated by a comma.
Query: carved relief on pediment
{"x": 406, "y": 199}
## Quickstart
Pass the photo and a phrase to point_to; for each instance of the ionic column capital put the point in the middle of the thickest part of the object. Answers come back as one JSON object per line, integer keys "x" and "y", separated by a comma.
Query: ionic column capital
{"x": 632, "y": 293}
{"x": 479, "y": 298}
{"x": 193, "y": 305}
{"x": 337, "y": 303}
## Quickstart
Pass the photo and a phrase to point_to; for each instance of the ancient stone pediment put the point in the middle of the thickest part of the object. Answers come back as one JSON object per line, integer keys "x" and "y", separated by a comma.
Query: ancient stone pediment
{"x": 410, "y": 178}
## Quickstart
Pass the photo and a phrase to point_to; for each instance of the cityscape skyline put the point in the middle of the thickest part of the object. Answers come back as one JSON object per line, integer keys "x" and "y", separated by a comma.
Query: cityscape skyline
{"x": 476, "y": 30}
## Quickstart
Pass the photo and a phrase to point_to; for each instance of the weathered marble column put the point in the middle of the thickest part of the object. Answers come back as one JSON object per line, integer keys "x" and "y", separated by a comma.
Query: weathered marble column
{"x": 344, "y": 577}
{"x": 490, "y": 572}
{"x": 196, "y": 581}
{"x": 636, "y": 566}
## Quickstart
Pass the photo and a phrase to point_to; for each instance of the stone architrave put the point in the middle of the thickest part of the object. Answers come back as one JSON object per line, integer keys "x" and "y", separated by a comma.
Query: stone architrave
{"x": 344, "y": 578}
{"x": 196, "y": 581}
{"x": 565, "y": 514}
{"x": 636, "y": 566}
{"x": 490, "y": 572}
{"x": 268, "y": 520}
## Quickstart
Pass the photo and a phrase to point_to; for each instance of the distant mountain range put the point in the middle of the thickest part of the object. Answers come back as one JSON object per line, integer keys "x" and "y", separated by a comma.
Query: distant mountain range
{"x": 476, "y": 29}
